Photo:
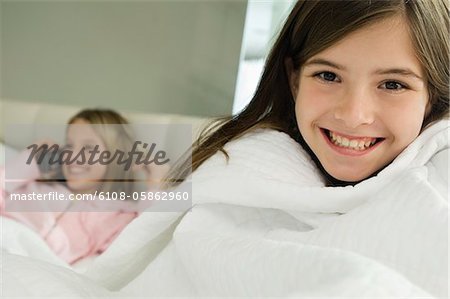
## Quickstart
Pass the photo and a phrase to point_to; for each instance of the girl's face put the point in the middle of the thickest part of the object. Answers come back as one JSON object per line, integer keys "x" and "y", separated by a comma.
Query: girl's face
{"x": 361, "y": 102}
{"x": 83, "y": 178}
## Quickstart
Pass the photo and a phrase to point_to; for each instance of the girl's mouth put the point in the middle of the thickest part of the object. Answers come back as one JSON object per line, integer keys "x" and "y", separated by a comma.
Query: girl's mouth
{"x": 350, "y": 145}
{"x": 77, "y": 170}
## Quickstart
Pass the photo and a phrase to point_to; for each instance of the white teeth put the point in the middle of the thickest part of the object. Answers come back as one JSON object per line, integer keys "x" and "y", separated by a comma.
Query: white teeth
{"x": 361, "y": 144}
{"x": 77, "y": 170}
{"x": 345, "y": 142}
{"x": 353, "y": 144}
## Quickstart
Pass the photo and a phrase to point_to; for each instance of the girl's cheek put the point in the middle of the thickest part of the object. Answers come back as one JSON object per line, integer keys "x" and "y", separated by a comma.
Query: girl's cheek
{"x": 402, "y": 122}
{"x": 404, "y": 109}
{"x": 313, "y": 99}
{"x": 98, "y": 171}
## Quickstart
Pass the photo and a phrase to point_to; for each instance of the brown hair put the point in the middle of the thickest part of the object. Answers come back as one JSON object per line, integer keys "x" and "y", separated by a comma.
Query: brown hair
{"x": 311, "y": 27}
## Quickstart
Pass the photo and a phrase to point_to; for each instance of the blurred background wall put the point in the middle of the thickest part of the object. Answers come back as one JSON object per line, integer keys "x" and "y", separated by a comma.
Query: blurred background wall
{"x": 190, "y": 57}
{"x": 156, "y": 56}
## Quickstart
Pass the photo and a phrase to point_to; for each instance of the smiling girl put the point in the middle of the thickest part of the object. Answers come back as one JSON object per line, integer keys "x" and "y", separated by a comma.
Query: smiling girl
{"x": 354, "y": 82}
{"x": 361, "y": 101}
{"x": 342, "y": 149}
{"x": 80, "y": 229}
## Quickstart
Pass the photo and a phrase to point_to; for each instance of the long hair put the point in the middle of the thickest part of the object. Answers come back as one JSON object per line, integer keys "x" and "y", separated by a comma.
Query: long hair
{"x": 312, "y": 27}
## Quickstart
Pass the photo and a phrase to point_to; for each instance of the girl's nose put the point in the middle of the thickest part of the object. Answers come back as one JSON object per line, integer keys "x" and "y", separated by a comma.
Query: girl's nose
{"x": 355, "y": 108}
{"x": 75, "y": 153}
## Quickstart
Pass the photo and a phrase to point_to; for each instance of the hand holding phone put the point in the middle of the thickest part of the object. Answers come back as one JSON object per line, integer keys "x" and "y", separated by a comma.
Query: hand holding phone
{"x": 48, "y": 159}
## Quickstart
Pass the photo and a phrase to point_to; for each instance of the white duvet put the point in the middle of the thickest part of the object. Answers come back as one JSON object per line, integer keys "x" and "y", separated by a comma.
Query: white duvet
{"x": 264, "y": 225}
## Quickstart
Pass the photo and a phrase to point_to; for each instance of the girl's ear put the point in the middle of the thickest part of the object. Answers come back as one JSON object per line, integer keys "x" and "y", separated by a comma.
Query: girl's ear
{"x": 293, "y": 76}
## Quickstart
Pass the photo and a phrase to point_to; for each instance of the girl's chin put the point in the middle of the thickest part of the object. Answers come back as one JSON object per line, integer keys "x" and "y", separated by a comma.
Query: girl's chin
{"x": 79, "y": 187}
{"x": 348, "y": 178}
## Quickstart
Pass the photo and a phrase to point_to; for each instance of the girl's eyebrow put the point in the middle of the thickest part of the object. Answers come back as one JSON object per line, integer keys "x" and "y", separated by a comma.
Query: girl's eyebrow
{"x": 398, "y": 71}
{"x": 320, "y": 61}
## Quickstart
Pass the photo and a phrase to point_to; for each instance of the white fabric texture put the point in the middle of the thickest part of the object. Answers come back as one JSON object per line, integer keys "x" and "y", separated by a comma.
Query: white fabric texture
{"x": 263, "y": 224}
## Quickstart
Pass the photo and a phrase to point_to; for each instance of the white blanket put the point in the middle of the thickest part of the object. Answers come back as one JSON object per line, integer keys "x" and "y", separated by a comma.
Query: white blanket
{"x": 264, "y": 225}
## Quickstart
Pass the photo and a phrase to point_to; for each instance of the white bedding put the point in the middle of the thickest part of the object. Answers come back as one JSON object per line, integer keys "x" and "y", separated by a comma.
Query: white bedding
{"x": 20, "y": 240}
{"x": 264, "y": 225}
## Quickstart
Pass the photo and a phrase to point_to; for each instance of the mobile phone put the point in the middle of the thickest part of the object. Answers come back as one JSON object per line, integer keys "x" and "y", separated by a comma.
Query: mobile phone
{"x": 49, "y": 162}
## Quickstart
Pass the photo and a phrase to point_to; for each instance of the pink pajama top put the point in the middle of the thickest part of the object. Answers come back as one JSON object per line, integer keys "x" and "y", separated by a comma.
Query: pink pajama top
{"x": 71, "y": 235}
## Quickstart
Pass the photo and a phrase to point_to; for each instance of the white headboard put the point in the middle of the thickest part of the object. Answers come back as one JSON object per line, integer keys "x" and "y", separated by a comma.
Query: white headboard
{"x": 19, "y": 112}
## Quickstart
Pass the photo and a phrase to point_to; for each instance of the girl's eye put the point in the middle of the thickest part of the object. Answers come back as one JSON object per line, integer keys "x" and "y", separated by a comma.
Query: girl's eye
{"x": 393, "y": 85}
{"x": 326, "y": 76}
